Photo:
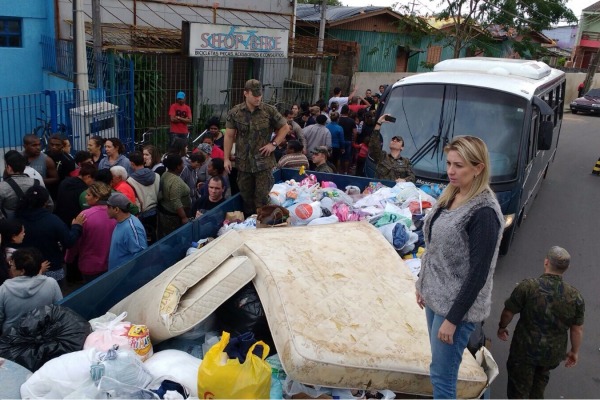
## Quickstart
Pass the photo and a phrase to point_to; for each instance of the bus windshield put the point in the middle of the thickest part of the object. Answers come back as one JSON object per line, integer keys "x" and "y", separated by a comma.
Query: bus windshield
{"x": 428, "y": 116}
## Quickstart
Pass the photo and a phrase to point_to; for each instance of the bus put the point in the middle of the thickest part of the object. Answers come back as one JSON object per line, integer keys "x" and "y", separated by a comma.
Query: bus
{"x": 515, "y": 106}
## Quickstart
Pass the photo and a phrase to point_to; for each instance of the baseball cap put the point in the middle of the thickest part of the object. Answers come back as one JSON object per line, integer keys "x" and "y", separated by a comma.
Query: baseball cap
{"x": 180, "y": 95}
{"x": 254, "y": 86}
{"x": 205, "y": 148}
{"x": 320, "y": 149}
{"x": 119, "y": 200}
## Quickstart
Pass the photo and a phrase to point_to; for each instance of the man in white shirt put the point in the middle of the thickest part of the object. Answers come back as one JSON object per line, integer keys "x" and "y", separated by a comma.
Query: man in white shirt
{"x": 337, "y": 97}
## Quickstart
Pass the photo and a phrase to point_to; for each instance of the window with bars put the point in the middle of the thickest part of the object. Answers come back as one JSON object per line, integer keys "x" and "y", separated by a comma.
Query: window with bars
{"x": 434, "y": 53}
{"x": 10, "y": 32}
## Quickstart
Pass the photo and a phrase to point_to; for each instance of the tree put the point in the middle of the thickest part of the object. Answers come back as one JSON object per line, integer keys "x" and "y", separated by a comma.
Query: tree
{"x": 329, "y": 2}
{"x": 468, "y": 21}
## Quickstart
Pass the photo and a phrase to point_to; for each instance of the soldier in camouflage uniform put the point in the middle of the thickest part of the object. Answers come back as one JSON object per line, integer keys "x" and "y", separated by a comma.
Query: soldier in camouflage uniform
{"x": 549, "y": 308}
{"x": 250, "y": 125}
{"x": 392, "y": 166}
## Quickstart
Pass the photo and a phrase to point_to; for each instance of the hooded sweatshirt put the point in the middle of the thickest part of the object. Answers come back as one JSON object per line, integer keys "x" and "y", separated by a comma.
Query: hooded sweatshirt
{"x": 121, "y": 160}
{"x": 45, "y": 231}
{"x": 67, "y": 198}
{"x": 146, "y": 184}
{"x": 24, "y": 293}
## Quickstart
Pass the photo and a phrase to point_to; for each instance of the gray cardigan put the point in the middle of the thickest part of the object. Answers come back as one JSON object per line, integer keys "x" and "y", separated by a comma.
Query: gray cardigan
{"x": 458, "y": 266}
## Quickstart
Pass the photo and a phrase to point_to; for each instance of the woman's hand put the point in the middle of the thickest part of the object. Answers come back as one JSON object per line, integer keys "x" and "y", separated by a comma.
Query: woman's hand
{"x": 446, "y": 332}
{"x": 79, "y": 219}
{"x": 420, "y": 300}
{"x": 45, "y": 266}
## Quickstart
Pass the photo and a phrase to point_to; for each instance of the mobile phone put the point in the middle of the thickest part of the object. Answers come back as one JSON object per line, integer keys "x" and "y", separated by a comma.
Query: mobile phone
{"x": 389, "y": 118}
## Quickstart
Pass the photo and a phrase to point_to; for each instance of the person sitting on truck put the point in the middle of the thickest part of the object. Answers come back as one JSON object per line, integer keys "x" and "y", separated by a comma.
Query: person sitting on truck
{"x": 27, "y": 289}
{"x": 319, "y": 158}
{"x": 216, "y": 189}
{"x": 129, "y": 236}
{"x": 392, "y": 166}
{"x": 294, "y": 156}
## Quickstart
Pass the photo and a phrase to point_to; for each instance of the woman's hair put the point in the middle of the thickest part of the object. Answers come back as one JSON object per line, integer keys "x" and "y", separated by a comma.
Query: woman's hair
{"x": 34, "y": 197}
{"x": 474, "y": 151}
{"x": 178, "y": 146}
{"x": 172, "y": 161}
{"x": 213, "y": 121}
{"x": 295, "y": 145}
{"x": 100, "y": 190}
{"x": 117, "y": 143}
{"x": 104, "y": 175}
{"x": 8, "y": 229}
{"x": 119, "y": 171}
{"x": 154, "y": 154}
{"x": 28, "y": 259}
{"x": 99, "y": 140}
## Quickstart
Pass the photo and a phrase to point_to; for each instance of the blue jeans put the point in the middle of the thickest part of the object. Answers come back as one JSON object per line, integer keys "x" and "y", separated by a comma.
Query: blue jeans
{"x": 446, "y": 358}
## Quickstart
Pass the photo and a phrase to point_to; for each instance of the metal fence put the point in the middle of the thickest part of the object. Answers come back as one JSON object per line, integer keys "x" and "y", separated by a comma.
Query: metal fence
{"x": 133, "y": 92}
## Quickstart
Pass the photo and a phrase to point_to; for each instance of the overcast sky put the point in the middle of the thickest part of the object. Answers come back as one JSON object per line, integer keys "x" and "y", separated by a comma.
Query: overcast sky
{"x": 424, "y": 6}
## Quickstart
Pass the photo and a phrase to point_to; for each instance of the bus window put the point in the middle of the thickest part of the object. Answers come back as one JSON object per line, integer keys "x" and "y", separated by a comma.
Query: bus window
{"x": 430, "y": 115}
{"x": 533, "y": 136}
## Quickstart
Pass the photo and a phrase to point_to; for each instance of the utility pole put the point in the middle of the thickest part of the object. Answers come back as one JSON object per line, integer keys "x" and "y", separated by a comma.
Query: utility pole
{"x": 592, "y": 68}
{"x": 97, "y": 29}
{"x": 81, "y": 74}
{"x": 319, "y": 67}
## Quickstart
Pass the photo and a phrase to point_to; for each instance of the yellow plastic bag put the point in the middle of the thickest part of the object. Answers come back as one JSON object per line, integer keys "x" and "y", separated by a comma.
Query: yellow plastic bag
{"x": 220, "y": 379}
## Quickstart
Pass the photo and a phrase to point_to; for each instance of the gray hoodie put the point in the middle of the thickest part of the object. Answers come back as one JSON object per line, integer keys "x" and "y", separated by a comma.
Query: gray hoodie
{"x": 144, "y": 176}
{"x": 24, "y": 293}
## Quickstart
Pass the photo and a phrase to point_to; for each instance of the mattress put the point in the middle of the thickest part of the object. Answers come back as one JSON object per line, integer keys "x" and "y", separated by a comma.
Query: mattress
{"x": 190, "y": 291}
{"x": 341, "y": 308}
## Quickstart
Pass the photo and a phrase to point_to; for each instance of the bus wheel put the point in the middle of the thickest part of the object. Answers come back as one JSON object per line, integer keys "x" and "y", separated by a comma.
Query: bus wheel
{"x": 507, "y": 239}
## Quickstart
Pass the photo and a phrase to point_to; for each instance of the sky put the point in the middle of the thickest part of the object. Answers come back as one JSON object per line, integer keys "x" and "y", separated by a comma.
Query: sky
{"x": 424, "y": 6}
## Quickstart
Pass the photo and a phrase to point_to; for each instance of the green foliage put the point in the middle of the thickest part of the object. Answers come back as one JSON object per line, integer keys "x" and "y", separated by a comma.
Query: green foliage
{"x": 329, "y": 2}
{"x": 149, "y": 93}
{"x": 469, "y": 20}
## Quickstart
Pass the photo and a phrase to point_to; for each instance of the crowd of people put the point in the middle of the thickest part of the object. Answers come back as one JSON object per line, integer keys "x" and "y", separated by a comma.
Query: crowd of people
{"x": 81, "y": 215}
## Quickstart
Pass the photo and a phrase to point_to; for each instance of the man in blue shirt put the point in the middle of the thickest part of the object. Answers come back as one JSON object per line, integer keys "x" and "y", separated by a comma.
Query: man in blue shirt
{"x": 129, "y": 236}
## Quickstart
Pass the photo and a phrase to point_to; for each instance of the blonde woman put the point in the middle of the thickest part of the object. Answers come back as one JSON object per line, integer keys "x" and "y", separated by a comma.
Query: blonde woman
{"x": 462, "y": 237}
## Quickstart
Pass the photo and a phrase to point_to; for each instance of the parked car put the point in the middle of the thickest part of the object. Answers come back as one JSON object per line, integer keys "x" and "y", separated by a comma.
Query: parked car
{"x": 588, "y": 103}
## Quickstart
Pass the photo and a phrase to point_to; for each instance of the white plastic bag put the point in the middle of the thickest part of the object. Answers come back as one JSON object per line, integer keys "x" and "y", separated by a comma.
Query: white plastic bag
{"x": 178, "y": 364}
{"x": 60, "y": 376}
{"x": 278, "y": 192}
{"x": 108, "y": 330}
{"x": 332, "y": 219}
{"x": 303, "y": 213}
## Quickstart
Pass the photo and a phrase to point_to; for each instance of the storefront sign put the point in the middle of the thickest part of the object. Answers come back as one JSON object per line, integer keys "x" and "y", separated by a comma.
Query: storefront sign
{"x": 210, "y": 40}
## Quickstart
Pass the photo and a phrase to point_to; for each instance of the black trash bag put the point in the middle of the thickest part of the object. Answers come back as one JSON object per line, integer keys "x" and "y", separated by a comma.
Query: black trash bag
{"x": 242, "y": 313}
{"x": 42, "y": 334}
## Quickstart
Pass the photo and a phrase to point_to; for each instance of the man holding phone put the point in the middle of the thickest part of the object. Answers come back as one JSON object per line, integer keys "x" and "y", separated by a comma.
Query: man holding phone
{"x": 390, "y": 166}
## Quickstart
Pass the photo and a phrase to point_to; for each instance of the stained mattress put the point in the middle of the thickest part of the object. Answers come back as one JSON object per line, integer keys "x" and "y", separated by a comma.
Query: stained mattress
{"x": 341, "y": 308}
{"x": 190, "y": 291}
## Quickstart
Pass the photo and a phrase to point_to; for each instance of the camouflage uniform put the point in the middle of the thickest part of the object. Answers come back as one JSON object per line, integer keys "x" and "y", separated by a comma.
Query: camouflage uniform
{"x": 253, "y": 131}
{"x": 548, "y": 308}
{"x": 324, "y": 168}
{"x": 388, "y": 167}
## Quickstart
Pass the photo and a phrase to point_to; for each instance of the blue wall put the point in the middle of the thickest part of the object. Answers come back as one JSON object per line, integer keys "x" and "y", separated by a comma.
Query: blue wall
{"x": 21, "y": 67}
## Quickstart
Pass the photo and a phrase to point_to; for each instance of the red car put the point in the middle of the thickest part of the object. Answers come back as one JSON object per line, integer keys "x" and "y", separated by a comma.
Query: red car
{"x": 588, "y": 103}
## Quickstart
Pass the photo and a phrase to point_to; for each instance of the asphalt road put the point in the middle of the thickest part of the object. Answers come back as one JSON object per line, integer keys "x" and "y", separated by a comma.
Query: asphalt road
{"x": 565, "y": 213}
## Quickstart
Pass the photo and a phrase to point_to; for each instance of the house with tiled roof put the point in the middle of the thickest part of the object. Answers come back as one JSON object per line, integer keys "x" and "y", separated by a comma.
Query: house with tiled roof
{"x": 588, "y": 36}
{"x": 383, "y": 35}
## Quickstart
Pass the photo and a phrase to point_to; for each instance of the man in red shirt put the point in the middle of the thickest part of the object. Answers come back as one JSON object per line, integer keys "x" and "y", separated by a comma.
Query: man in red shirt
{"x": 181, "y": 116}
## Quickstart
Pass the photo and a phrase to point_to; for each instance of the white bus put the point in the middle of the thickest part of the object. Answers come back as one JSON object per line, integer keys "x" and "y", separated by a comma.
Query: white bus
{"x": 515, "y": 106}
